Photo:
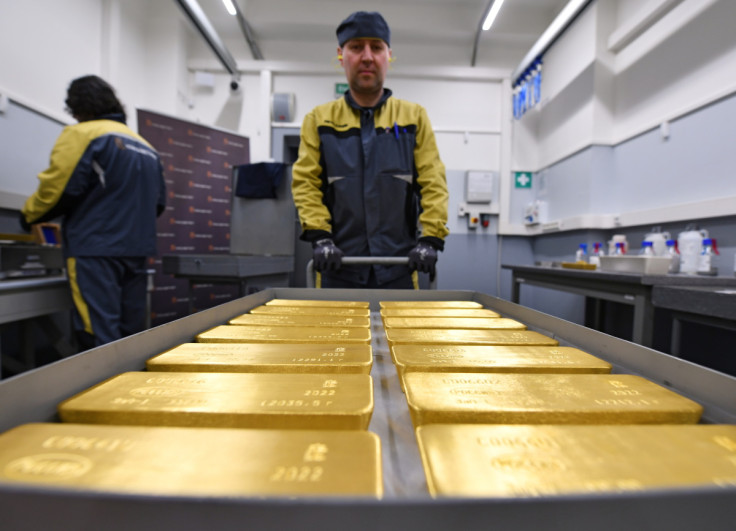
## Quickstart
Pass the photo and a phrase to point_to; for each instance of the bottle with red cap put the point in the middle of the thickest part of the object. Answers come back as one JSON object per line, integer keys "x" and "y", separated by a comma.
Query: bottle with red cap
{"x": 674, "y": 256}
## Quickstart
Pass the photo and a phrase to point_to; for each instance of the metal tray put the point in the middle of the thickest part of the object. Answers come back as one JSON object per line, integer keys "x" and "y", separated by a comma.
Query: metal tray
{"x": 33, "y": 396}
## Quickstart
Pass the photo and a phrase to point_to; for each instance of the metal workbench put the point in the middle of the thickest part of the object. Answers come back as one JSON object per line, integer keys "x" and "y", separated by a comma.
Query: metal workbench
{"x": 34, "y": 299}
{"x": 244, "y": 271}
{"x": 33, "y": 397}
{"x": 633, "y": 289}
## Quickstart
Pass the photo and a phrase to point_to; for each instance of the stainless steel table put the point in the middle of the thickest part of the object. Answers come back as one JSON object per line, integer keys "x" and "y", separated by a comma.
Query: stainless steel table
{"x": 406, "y": 505}
{"x": 627, "y": 288}
{"x": 35, "y": 298}
{"x": 245, "y": 271}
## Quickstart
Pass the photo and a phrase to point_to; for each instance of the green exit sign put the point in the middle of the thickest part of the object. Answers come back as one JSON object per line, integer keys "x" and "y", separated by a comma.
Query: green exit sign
{"x": 340, "y": 89}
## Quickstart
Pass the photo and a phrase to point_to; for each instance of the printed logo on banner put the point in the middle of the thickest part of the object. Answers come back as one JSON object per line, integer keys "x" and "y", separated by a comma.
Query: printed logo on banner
{"x": 197, "y": 168}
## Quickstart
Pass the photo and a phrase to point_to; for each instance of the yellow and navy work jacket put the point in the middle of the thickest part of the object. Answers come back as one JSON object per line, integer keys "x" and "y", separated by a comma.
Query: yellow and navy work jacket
{"x": 107, "y": 182}
{"x": 372, "y": 180}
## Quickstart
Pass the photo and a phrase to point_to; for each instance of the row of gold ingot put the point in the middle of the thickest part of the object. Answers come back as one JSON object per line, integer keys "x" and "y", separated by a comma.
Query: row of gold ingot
{"x": 275, "y": 403}
{"x": 500, "y": 411}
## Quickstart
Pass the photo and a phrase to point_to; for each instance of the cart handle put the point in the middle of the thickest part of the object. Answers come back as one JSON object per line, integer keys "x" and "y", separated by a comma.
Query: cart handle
{"x": 367, "y": 260}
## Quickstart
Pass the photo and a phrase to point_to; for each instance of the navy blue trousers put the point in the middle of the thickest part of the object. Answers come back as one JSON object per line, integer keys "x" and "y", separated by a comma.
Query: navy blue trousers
{"x": 109, "y": 297}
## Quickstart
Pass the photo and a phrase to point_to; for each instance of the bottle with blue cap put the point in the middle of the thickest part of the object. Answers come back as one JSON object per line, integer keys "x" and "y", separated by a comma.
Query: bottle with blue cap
{"x": 581, "y": 255}
{"x": 647, "y": 248}
{"x": 706, "y": 260}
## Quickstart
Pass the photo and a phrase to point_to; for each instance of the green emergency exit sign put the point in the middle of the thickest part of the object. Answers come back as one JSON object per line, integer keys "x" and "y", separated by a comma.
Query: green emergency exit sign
{"x": 522, "y": 179}
{"x": 340, "y": 89}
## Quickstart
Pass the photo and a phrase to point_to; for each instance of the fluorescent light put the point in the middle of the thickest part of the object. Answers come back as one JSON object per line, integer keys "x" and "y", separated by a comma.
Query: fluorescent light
{"x": 495, "y": 8}
{"x": 230, "y": 7}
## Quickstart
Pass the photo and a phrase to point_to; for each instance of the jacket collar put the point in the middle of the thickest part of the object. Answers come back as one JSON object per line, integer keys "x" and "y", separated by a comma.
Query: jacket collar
{"x": 386, "y": 95}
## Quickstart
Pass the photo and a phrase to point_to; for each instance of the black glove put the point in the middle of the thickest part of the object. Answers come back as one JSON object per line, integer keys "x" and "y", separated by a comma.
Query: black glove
{"x": 23, "y": 223}
{"x": 326, "y": 255}
{"x": 423, "y": 258}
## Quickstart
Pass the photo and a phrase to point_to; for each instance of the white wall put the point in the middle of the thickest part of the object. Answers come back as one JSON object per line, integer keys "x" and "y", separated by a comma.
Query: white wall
{"x": 621, "y": 71}
{"x": 597, "y": 92}
{"x": 137, "y": 45}
{"x": 466, "y": 114}
{"x": 44, "y": 45}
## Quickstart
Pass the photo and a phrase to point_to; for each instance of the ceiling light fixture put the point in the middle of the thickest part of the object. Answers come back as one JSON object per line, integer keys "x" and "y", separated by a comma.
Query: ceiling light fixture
{"x": 230, "y": 7}
{"x": 488, "y": 22}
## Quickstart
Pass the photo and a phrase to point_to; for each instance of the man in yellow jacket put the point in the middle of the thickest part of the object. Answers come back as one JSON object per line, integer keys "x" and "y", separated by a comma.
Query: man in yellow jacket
{"x": 106, "y": 183}
{"x": 369, "y": 180}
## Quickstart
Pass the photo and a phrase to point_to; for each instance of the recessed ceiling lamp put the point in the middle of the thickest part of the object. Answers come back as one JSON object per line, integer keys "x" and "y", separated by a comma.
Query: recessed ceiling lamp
{"x": 230, "y": 7}
{"x": 488, "y": 22}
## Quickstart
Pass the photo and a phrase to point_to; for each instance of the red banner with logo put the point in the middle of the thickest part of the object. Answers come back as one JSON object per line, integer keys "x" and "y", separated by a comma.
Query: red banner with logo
{"x": 198, "y": 163}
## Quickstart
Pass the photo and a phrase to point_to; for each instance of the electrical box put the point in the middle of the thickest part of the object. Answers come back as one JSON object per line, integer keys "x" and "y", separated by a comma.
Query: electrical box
{"x": 478, "y": 195}
{"x": 479, "y": 186}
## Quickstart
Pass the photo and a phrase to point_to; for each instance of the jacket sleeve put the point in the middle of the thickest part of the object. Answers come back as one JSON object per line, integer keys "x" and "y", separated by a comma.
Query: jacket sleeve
{"x": 431, "y": 180}
{"x": 54, "y": 197}
{"x": 306, "y": 183}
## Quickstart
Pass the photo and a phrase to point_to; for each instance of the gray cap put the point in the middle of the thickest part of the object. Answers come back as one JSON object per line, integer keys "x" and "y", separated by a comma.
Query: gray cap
{"x": 363, "y": 25}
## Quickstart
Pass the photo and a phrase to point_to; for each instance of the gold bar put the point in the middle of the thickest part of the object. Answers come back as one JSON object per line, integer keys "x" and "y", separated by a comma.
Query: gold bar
{"x": 523, "y": 461}
{"x": 488, "y": 358}
{"x": 430, "y": 304}
{"x": 318, "y": 303}
{"x": 457, "y": 323}
{"x": 284, "y": 334}
{"x": 472, "y": 398}
{"x": 192, "y": 461}
{"x": 438, "y": 312}
{"x": 226, "y": 400}
{"x": 266, "y": 357}
{"x": 402, "y": 336}
{"x": 306, "y": 310}
{"x": 250, "y": 319}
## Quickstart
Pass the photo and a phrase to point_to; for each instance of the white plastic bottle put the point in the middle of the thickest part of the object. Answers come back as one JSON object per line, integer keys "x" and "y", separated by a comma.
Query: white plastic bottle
{"x": 619, "y": 249}
{"x": 581, "y": 255}
{"x": 647, "y": 248}
{"x": 689, "y": 243}
{"x": 595, "y": 256}
{"x": 707, "y": 257}
{"x": 674, "y": 256}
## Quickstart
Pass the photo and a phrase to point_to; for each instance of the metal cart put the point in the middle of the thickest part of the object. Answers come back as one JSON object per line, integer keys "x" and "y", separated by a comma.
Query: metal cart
{"x": 367, "y": 260}
{"x": 33, "y": 396}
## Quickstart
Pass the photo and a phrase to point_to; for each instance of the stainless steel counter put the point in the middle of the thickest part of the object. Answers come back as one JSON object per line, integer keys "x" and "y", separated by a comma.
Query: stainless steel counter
{"x": 625, "y": 288}
{"x": 34, "y": 298}
{"x": 245, "y": 271}
{"x": 406, "y": 505}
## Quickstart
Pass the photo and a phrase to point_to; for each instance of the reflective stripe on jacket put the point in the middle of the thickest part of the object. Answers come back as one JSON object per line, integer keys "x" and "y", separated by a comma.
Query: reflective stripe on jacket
{"x": 108, "y": 183}
{"x": 366, "y": 176}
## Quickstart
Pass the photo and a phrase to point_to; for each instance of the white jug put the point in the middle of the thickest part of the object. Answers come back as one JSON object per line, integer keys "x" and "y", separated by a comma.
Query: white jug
{"x": 659, "y": 241}
{"x": 690, "y": 243}
{"x": 617, "y": 238}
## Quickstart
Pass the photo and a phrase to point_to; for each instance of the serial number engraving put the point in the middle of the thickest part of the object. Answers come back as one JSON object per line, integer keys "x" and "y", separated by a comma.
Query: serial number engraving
{"x": 166, "y": 380}
{"x": 625, "y": 402}
{"x": 294, "y": 403}
{"x": 518, "y": 442}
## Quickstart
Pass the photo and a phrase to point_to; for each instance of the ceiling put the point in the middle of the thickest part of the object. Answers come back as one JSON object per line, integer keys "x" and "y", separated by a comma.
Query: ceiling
{"x": 423, "y": 32}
